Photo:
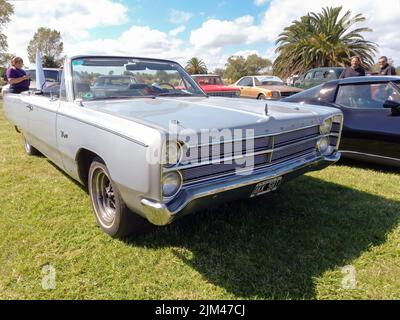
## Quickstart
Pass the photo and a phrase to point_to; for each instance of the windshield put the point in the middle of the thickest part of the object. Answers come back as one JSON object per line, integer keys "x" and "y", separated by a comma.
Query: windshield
{"x": 268, "y": 81}
{"x": 50, "y": 75}
{"x": 208, "y": 80}
{"x": 111, "y": 78}
{"x": 312, "y": 93}
{"x": 272, "y": 83}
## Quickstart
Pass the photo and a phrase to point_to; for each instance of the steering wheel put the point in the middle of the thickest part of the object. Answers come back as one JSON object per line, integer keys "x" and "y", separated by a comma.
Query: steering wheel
{"x": 166, "y": 84}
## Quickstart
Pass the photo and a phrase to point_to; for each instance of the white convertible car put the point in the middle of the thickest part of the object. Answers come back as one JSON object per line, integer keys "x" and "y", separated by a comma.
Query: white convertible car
{"x": 159, "y": 148}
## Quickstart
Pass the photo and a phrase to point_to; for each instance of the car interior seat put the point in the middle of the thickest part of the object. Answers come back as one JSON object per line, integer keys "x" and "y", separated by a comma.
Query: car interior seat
{"x": 81, "y": 89}
{"x": 137, "y": 86}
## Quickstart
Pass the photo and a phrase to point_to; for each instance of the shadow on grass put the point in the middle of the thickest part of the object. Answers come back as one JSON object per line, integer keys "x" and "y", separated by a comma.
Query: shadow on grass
{"x": 76, "y": 183}
{"x": 273, "y": 247}
{"x": 368, "y": 165}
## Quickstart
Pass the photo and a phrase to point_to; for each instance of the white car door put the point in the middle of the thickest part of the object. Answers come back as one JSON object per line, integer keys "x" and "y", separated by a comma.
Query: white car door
{"x": 16, "y": 110}
{"x": 42, "y": 119}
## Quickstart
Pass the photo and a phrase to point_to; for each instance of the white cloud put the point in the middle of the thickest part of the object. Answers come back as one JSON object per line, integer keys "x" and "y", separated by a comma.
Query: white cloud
{"x": 210, "y": 42}
{"x": 146, "y": 42}
{"x": 179, "y": 17}
{"x": 246, "y": 53}
{"x": 177, "y": 31}
{"x": 73, "y": 18}
{"x": 383, "y": 19}
{"x": 135, "y": 41}
{"x": 218, "y": 33}
{"x": 260, "y": 2}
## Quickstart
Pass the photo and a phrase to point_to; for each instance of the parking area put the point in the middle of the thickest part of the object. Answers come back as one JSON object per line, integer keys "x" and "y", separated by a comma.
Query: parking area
{"x": 332, "y": 234}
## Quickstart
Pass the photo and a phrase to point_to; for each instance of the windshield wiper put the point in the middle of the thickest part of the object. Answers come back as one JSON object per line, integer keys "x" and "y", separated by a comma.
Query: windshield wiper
{"x": 180, "y": 94}
{"x": 122, "y": 97}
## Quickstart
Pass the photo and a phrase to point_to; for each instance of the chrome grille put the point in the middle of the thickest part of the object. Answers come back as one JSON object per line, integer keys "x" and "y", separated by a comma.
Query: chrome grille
{"x": 268, "y": 151}
{"x": 287, "y": 93}
{"x": 229, "y": 94}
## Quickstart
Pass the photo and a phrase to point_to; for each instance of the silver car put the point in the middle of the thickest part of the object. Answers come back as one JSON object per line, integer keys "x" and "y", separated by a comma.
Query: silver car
{"x": 160, "y": 148}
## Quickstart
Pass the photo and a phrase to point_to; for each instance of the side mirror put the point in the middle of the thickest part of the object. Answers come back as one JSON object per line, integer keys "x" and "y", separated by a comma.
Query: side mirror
{"x": 394, "y": 105}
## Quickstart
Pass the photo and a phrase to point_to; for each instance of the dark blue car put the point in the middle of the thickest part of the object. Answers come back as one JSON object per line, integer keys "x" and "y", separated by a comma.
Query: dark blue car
{"x": 371, "y": 108}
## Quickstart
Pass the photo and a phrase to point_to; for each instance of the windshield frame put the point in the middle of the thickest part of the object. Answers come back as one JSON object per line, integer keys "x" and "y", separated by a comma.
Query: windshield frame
{"x": 197, "y": 91}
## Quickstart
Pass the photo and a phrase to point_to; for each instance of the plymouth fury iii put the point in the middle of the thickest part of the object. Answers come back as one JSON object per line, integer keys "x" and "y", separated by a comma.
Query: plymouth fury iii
{"x": 264, "y": 88}
{"x": 159, "y": 148}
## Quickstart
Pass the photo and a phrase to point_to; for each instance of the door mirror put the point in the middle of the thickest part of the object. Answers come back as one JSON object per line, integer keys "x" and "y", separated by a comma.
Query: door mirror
{"x": 394, "y": 105}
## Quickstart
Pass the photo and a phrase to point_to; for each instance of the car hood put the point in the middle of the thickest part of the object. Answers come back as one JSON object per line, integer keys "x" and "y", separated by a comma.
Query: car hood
{"x": 199, "y": 113}
{"x": 281, "y": 88}
{"x": 219, "y": 88}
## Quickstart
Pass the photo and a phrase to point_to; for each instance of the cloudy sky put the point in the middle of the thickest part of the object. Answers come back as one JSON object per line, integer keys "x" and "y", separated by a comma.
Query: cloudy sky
{"x": 212, "y": 30}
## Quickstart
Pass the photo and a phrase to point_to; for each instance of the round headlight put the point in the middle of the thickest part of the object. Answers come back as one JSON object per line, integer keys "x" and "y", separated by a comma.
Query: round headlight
{"x": 326, "y": 126}
{"x": 237, "y": 93}
{"x": 276, "y": 94}
{"x": 172, "y": 154}
{"x": 171, "y": 184}
{"x": 323, "y": 145}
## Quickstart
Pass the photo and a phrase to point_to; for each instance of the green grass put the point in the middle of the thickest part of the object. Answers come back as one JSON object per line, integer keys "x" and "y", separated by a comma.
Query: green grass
{"x": 290, "y": 245}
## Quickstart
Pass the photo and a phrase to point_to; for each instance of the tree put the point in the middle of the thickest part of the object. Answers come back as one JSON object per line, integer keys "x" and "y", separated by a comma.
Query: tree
{"x": 220, "y": 72}
{"x": 196, "y": 66}
{"x": 6, "y": 10}
{"x": 256, "y": 65}
{"x": 5, "y": 59}
{"x": 50, "y": 46}
{"x": 322, "y": 40}
{"x": 238, "y": 67}
{"x": 235, "y": 68}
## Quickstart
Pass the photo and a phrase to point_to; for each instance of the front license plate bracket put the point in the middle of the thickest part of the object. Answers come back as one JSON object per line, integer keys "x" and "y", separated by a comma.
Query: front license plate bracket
{"x": 266, "y": 186}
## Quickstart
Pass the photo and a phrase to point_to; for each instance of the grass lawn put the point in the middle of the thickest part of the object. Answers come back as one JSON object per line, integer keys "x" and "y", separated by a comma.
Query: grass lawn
{"x": 293, "y": 244}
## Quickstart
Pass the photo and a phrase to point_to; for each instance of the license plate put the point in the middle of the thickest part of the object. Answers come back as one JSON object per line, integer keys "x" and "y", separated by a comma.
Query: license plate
{"x": 266, "y": 187}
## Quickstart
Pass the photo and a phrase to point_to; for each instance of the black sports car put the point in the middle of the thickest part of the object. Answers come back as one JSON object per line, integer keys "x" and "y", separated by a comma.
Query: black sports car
{"x": 371, "y": 108}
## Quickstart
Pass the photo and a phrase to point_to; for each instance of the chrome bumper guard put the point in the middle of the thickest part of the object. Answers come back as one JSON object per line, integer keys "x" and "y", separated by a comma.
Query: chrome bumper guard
{"x": 204, "y": 195}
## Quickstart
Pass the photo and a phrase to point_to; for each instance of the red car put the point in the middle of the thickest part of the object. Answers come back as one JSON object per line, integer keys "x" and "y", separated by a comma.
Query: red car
{"x": 214, "y": 86}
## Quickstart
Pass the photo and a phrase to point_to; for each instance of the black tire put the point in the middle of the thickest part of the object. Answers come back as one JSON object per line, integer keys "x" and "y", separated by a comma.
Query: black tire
{"x": 112, "y": 214}
{"x": 29, "y": 150}
{"x": 261, "y": 97}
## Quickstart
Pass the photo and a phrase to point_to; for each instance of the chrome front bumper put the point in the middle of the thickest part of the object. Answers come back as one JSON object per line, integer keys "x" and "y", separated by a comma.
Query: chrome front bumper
{"x": 215, "y": 192}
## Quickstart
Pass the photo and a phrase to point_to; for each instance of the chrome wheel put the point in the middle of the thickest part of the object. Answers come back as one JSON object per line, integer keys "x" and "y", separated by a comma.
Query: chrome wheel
{"x": 31, "y": 151}
{"x": 27, "y": 146}
{"x": 103, "y": 197}
{"x": 112, "y": 214}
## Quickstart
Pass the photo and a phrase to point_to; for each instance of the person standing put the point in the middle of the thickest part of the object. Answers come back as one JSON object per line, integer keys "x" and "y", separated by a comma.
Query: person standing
{"x": 17, "y": 77}
{"x": 355, "y": 70}
{"x": 386, "y": 68}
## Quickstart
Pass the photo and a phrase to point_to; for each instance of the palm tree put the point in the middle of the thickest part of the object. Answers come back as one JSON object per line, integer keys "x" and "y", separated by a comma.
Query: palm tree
{"x": 322, "y": 40}
{"x": 196, "y": 66}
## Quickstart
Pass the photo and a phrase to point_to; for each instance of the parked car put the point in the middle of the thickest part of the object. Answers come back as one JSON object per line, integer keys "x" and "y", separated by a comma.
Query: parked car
{"x": 144, "y": 152}
{"x": 50, "y": 74}
{"x": 52, "y": 77}
{"x": 371, "y": 108}
{"x": 264, "y": 88}
{"x": 213, "y": 85}
{"x": 315, "y": 77}
{"x": 113, "y": 81}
